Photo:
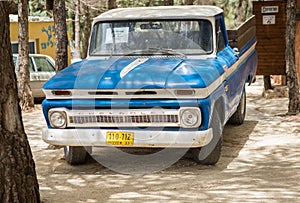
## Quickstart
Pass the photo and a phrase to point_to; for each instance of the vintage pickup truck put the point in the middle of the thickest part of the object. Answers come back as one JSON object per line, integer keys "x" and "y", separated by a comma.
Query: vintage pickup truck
{"x": 155, "y": 77}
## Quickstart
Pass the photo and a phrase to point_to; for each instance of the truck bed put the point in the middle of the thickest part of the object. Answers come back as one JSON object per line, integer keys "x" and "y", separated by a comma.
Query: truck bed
{"x": 242, "y": 35}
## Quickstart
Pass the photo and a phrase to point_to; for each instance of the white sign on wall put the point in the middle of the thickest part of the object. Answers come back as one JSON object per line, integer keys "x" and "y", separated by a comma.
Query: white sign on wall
{"x": 269, "y": 9}
{"x": 269, "y": 20}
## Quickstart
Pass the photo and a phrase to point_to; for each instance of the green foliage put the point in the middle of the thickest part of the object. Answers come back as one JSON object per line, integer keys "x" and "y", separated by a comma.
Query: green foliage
{"x": 37, "y": 8}
{"x": 135, "y": 3}
{"x": 235, "y": 11}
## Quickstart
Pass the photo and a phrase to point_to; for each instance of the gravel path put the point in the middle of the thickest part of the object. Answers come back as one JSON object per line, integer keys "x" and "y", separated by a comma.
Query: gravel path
{"x": 260, "y": 163}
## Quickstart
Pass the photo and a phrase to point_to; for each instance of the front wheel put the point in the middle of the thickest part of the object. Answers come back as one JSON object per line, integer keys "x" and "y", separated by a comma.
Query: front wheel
{"x": 75, "y": 155}
{"x": 210, "y": 154}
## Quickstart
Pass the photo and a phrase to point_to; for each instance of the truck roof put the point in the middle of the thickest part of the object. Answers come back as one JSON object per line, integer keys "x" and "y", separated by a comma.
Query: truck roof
{"x": 159, "y": 12}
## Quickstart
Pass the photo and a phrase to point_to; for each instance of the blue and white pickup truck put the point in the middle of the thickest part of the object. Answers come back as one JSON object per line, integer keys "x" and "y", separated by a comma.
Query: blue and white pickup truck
{"x": 155, "y": 77}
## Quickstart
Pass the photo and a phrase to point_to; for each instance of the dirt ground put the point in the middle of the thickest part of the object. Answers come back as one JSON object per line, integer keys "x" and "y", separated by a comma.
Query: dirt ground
{"x": 260, "y": 162}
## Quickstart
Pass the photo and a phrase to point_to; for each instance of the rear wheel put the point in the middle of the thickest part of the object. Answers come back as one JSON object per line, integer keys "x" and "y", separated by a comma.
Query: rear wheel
{"x": 210, "y": 154}
{"x": 75, "y": 155}
{"x": 239, "y": 115}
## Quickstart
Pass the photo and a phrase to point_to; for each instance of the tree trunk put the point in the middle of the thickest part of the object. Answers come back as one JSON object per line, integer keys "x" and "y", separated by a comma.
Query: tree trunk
{"x": 25, "y": 94}
{"x": 112, "y": 4}
{"x": 18, "y": 181}
{"x": 61, "y": 38}
{"x": 189, "y": 2}
{"x": 292, "y": 81}
{"x": 267, "y": 82}
{"x": 77, "y": 27}
{"x": 168, "y": 2}
{"x": 87, "y": 31}
{"x": 240, "y": 12}
{"x": 49, "y": 5}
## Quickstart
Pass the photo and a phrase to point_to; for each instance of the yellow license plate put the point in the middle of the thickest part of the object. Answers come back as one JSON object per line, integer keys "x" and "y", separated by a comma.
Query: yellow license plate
{"x": 119, "y": 138}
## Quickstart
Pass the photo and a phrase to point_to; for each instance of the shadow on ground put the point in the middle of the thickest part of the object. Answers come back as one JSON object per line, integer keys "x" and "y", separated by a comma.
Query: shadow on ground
{"x": 259, "y": 163}
{"x": 144, "y": 161}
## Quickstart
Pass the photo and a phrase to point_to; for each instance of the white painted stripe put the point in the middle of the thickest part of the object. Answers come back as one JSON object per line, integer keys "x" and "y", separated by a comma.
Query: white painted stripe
{"x": 131, "y": 66}
{"x": 241, "y": 59}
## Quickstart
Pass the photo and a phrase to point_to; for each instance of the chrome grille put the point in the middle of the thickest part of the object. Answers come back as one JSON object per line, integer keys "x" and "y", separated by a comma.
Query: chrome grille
{"x": 136, "y": 119}
{"x": 144, "y": 117}
{"x": 157, "y": 117}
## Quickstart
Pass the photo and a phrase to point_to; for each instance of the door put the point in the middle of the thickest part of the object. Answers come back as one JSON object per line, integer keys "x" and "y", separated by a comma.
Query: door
{"x": 43, "y": 70}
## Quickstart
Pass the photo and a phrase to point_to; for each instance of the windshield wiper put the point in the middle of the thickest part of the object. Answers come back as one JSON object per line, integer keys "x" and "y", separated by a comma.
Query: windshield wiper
{"x": 153, "y": 51}
{"x": 166, "y": 51}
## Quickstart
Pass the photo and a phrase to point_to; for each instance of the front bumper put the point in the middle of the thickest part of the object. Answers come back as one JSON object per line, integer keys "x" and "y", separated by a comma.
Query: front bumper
{"x": 142, "y": 138}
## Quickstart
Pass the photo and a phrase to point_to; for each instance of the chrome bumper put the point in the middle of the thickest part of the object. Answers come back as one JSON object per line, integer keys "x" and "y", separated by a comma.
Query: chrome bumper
{"x": 142, "y": 138}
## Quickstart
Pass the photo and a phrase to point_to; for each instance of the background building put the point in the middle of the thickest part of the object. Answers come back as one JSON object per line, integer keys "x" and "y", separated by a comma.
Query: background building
{"x": 41, "y": 35}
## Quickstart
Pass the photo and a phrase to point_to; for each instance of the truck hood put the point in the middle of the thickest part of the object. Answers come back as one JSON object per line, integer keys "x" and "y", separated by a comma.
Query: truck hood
{"x": 137, "y": 73}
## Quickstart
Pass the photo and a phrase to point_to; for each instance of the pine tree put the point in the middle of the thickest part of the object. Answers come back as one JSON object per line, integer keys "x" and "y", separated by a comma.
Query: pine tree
{"x": 18, "y": 181}
{"x": 292, "y": 81}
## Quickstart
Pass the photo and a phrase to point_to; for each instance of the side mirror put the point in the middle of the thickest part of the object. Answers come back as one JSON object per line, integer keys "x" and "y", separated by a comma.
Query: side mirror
{"x": 236, "y": 52}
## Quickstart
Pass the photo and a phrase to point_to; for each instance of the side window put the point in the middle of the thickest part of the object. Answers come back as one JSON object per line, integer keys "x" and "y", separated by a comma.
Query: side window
{"x": 220, "y": 36}
{"x": 31, "y": 70}
{"x": 15, "y": 47}
{"x": 43, "y": 65}
{"x": 206, "y": 37}
{"x": 31, "y": 66}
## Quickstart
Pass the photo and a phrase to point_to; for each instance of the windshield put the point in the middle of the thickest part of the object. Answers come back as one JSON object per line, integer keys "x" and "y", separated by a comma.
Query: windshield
{"x": 155, "y": 37}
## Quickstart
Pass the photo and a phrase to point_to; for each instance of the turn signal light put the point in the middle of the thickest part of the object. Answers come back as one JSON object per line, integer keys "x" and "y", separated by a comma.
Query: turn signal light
{"x": 184, "y": 92}
{"x": 61, "y": 93}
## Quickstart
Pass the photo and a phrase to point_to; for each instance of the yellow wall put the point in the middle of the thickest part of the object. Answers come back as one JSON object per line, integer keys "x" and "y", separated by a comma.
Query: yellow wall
{"x": 42, "y": 33}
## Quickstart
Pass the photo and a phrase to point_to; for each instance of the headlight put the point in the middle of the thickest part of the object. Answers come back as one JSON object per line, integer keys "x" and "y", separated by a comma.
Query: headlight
{"x": 190, "y": 117}
{"x": 58, "y": 119}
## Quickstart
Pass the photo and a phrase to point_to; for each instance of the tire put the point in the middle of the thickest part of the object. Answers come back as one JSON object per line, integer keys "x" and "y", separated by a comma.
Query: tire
{"x": 210, "y": 154}
{"x": 239, "y": 115}
{"x": 75, "y": 155}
